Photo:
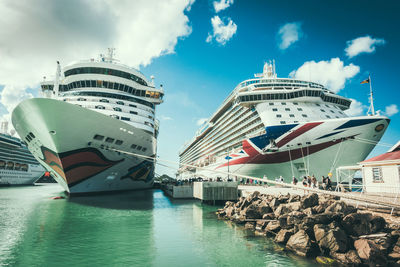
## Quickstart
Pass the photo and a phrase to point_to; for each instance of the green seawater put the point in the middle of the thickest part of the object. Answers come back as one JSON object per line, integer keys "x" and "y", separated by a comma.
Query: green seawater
{"x": 131, "y": 229}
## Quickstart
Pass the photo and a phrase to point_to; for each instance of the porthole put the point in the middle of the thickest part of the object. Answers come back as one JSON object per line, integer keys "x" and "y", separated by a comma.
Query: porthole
{"x": 379, "y": 128}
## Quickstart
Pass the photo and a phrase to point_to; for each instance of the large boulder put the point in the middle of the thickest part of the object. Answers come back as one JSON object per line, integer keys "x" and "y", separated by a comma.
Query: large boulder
{"x": 269, "y": 216}
{"x": 252, "y": 212}
{"x": 274, "y": 203}
{"x": 294, "y": 205}
{"x": 318, "y": 209}
{"x": 309, "y": 200}
{"x": 295, "y": 217}
{"x": 370, "y": 253}
{"x": 249, "y": 225}
{"x": 294, "y": 198}
{"x": 330, "y": 239}
{"x": 260, "y": 225}
{"x": 230, "y": 211}
{"x": 301, "y": 244}
{"x": 357, "y": 224}
{"x": 349, "y": 258}
{"x": 340, "y": 206}
{"x": 264, "y": 208}
{"x": 273, "y": 226}
{"x": 282, "y": 209}
{"x": 283, "y": 236}
{"x": 284, "y": 198}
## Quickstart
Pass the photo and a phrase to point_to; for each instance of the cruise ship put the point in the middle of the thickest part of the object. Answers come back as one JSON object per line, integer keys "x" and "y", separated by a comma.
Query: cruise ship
{"x": 272, "y": 127}
{"x": 17, "y": 165}
{"x": 90, "y": 112}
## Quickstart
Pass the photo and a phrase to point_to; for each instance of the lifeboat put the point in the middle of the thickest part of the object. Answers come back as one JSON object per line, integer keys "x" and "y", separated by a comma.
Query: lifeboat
{"x": 2, "y": 164}
{"x": 17, "y": 166}
{"x": 10, "y": 165}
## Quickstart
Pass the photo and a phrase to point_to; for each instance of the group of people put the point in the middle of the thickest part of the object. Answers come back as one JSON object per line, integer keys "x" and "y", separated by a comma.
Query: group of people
{"x": 312, "y": 182}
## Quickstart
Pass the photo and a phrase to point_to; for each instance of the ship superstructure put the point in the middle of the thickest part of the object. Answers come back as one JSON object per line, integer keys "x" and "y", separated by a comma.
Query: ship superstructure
{"x": 280, "y": 126}
{"x": 91, "y": 109}
{"x": 17, "y": 165}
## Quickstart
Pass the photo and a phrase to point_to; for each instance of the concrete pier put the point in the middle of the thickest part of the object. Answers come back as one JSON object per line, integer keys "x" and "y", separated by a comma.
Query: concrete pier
{"x": 215, "y": 191}
{"x": 178, "y": 191}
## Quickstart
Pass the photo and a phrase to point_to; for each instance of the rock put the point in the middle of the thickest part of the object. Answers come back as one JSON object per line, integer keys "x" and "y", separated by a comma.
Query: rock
{"x": 283, "y": 236}
{"x": 295, "y": 217}
{"x": 394, "y": 256}
{"x": 273, "y": 226}
{"x": 260, "y": 225}
{"x": 283, "y": 221}
{"x": 330, "y": 240}
{"x": 309, "y": 200}
{"x": 283, "y": 198}
{"x": 357, "y": 224}
{"x": 318, "y": 209}
{"x": 396, "y": 247}
{"x": 309, "y": 211}
{"x": 269, "y": 216}
{"x": 294, "y": 198}
{"x": 340, "y": 206}
{"x": 350, "y": 257}
{"x": 294, "y": 205}
{"x": 264, "y": 208}
{"x": 230, "y": 211}
{"x": 378, "y": 223}
{"x": 301, "y": 244}
{"x": 229, "y": 204}
{"x": 252, "y": 211}
{"x": 274, "y": 203}
{"x": 383, "y": 240}
{"x": 282, "y": 209}
{"x": 249, "y": 225}
{"x": 323, "y": 218}
{"x": 370, "y": 252}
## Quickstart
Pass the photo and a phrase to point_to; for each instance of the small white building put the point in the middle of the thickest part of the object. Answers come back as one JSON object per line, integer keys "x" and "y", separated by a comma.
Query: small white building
{"x": 381, "y": 174}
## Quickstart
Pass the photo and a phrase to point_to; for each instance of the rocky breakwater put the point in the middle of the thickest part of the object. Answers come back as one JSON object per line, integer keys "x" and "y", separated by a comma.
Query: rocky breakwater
{"x": 318, "y": 226}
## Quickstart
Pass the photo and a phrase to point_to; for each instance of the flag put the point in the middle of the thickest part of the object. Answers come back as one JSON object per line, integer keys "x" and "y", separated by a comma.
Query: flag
{"x": 365, "y": 81}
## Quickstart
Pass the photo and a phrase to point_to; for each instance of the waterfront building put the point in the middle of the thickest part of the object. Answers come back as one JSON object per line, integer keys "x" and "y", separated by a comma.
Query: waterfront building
{"x": 381, "y": 174}
{"x": 91, "y": 111}
{"x": 270, "y": 126}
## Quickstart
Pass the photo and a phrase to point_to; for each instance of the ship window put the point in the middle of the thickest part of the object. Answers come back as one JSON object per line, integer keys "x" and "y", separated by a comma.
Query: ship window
{"x": 125, "y": 119}
{"x": 295, "y": 103}
{"x": 328, "y": 116}
{"x": 87, "y": 83}
{"x": 304, "y": 115}
{"x": 144, "y": 149}
{"x": 287, "y": 109}
{"x": 93, "y": 83}
{"x": 278, "y": 115}
{"x": 134, "y": 106}
{"x": 120, "y": 103}
{"x": 109, "y": 140}
{"x": 322, "y": 110}
{"x": 118, "y": 142}
{"x": 283, "y": 103}
{"x": 327, "y": 106}
{"x": 318, "y": 105}
{"x": 133, "y": 112}
{"x": 274, "y": 109}
{"x": 81, "y": 99}
{"x": 104, "y": 100}
{"x": 99, "y": 107}
{"x": 337, "y": 117}
{"x": 283, "y": 122}
{"x": 117, "y": 109}
{"x": 31, "y": 135}
{"x": 139, "y": 147}
{"x": 98, "y": 137}
{"x": 271, "y": 103}
{"x": 291, "y": 115}
{"x": 308, "y": 143}
{"x": 299, "y": 109}
{"x": 332, "y": 111}
{"x": 133, "y": 146}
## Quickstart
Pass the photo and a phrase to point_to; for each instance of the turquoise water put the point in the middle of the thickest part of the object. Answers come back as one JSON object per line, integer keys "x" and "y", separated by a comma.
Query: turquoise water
{"x": 130, "y": 229}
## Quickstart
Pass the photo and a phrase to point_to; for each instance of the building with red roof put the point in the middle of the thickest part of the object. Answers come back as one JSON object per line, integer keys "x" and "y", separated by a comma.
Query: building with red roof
{"x": 382, "y": 173}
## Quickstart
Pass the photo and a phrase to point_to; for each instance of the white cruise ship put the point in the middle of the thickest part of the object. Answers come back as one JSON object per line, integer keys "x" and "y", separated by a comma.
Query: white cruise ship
{"x": 91, "y": 109}
{"x": 17, "y": 165}
{"x": 273, "y": 127}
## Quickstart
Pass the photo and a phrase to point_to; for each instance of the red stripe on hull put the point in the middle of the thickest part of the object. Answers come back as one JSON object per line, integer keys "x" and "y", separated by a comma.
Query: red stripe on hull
{"x": 278, "y": 157}
{"x": 298, "y": 132}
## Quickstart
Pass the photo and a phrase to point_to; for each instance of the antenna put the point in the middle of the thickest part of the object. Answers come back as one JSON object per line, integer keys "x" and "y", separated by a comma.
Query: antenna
{"x": 57, "y": 80}
{"x": 371, "y": 97}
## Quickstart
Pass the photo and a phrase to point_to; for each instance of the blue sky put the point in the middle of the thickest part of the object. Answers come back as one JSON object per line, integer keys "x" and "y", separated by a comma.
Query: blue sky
{"x": 197, "y": 75}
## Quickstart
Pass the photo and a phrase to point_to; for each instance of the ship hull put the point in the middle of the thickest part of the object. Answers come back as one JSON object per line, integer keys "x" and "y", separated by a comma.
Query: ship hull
{"x": 315, "y": 148}
{"x": 62, "y": 139}
{"x": 16, "y": 177}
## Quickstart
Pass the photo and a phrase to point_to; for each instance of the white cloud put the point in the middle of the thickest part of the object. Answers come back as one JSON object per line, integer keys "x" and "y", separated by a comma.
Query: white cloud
{"x": 360, "y": 45}
{"x": 288, "y": 34}
{"x": 201, "y": 121}
{"x": 34, "y": 37}
{"x": 166, "y": 118}
{"x": 221, "y": 5}
{"x": 221, "y": 32}
{"x": 356, "y": 108}
{"x": 332, "y": 74}
{"x": 391, "y": 110}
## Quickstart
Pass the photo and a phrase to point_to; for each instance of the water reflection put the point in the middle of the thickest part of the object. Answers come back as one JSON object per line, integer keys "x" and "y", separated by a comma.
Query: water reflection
{"x": 130, "y": 200}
